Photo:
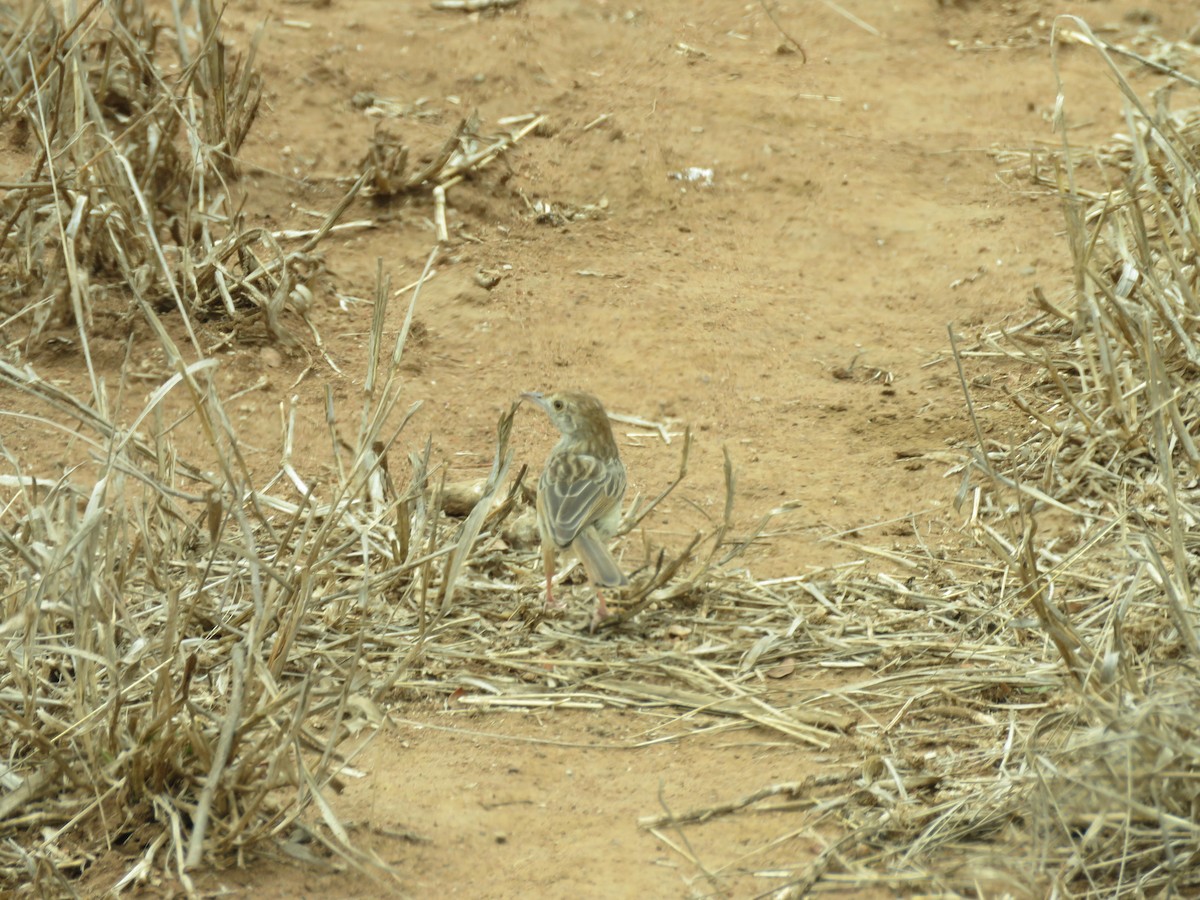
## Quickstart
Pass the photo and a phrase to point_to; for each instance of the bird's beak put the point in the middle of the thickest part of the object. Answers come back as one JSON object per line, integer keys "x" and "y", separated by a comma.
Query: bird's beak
{"x": 536, "y": 397}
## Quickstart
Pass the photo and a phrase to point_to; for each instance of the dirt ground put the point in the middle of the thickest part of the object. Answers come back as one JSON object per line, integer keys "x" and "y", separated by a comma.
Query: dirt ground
{"x": 794, "y": 310}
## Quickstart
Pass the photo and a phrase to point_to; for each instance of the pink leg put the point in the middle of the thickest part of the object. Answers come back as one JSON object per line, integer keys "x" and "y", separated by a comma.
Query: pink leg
{"x": 548, "y": 565}
{"x": 602, "y": 612}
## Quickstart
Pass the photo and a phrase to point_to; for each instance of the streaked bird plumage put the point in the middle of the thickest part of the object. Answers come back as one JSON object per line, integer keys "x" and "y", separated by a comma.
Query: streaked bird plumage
{"x": 580, "y": 490}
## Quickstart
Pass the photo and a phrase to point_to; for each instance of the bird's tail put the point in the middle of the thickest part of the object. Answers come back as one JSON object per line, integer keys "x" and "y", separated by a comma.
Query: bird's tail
{"x": 602, "y": 569}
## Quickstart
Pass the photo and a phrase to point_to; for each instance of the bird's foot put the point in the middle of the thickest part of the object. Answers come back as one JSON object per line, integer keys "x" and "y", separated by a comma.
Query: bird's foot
{"x": 602, "y": 613}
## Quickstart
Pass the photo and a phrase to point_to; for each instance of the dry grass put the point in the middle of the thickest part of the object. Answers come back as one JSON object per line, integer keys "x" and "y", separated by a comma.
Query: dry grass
{"x": 1062, "y": 740}
{"x": 1112, "y": 472}
{"x": 130, "y": 202}
{"x": 184, "y": 650}
{"x": 187, "y": 653}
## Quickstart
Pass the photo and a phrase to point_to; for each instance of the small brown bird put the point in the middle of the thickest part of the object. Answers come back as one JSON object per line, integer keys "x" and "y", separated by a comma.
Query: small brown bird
{"x": 579, "y": 493}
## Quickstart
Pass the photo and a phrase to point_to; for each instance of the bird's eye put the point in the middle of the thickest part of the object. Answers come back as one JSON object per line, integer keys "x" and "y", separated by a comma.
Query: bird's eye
{"x": 558, "y": 405}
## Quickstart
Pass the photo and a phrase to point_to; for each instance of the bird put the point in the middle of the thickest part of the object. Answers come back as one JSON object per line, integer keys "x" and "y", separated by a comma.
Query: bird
{"x": 580, "y": 491}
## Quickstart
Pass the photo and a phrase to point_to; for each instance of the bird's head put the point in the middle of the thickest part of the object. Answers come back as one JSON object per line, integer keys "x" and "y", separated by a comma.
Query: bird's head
{"x": 578, "y": 415}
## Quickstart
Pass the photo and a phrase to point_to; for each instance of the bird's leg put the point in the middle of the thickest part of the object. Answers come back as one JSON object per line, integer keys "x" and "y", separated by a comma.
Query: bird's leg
{"x": 602, "y": 612}
{"x": 548, "y": 565}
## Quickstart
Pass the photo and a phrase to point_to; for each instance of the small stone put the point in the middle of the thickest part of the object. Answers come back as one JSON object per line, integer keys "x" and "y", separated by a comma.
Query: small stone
{"x": 460, "y": 497}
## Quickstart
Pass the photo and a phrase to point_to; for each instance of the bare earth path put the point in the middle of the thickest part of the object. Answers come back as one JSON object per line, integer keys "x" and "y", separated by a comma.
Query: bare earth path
{"x": 794, "y": 311}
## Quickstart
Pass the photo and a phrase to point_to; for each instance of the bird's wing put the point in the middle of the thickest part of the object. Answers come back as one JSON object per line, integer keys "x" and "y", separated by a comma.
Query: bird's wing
{"x": 574, "y": 491}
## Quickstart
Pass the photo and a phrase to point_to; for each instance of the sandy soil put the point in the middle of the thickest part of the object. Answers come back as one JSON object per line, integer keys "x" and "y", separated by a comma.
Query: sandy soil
{"x": 795, "y": 312}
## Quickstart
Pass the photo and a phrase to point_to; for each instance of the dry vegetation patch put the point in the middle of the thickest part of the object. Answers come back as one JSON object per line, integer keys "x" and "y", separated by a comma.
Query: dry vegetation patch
{"x": 1077, "y": 772}
{"x": 187, "y": 651}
